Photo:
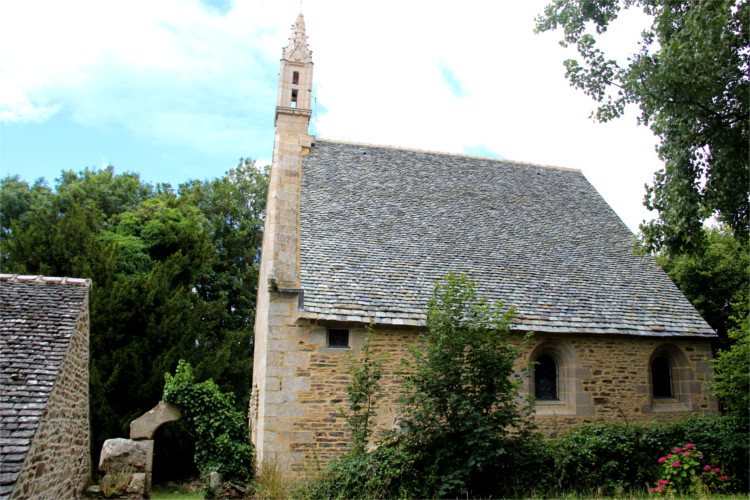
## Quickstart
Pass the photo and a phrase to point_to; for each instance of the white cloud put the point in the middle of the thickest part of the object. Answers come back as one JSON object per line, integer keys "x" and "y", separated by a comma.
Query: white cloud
{"x": 176, "y": 73}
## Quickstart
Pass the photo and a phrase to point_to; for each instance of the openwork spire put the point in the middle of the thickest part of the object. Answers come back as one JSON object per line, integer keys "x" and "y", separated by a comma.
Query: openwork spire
{"x": 297, "y": 49}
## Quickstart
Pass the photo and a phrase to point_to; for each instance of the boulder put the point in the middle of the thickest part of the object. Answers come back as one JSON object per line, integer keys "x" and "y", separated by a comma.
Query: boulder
{"x": 126, "y": 455}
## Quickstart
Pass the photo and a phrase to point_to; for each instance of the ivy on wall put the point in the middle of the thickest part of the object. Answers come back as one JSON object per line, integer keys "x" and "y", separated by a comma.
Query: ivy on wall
{"x": 222, "y": 437}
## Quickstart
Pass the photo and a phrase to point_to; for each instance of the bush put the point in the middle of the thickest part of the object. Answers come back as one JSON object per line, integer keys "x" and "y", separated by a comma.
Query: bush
{"x": 462, "y": 392}
{"x": 686, "y": 471}
{"x": 222, "y": 437}
{"x": 386, "y": 472}
{"x": 606, "y": 457}
{"x": 612, "y": 458}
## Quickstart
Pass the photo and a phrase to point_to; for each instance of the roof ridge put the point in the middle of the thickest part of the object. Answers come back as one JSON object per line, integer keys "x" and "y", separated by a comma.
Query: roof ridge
{"x": 57, "y": 280}
{"x": 443, "y": 153}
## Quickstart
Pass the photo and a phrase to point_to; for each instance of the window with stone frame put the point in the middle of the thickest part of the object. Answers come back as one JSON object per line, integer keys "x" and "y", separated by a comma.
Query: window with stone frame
{"x": 545, "y": 378}
{"x": 661, "y": 378}
{"x": 338, "y": 337}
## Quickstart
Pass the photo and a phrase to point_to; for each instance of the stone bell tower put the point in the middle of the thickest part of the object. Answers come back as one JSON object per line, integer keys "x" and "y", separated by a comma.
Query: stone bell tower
{"x": 279, "y": 279}
{"x": 293, "y": 110}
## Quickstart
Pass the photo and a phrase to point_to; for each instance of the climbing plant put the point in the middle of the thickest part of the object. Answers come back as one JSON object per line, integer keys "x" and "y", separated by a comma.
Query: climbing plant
{"x": 364, "y": 390}
{"x": 222, "y": 438}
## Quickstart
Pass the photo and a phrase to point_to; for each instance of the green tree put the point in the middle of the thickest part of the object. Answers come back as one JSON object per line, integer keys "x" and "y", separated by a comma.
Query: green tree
{"x": 16, "y": 198}
{"x": 715, "y": 279}
{"x": 732, "y": 385}
{"x": 690, "y": 79}
{"x": 174, "y": 276}
{"x": 234, "y": 206}
{"x": 462, "y": 396}
{"x": 364, "y": 390}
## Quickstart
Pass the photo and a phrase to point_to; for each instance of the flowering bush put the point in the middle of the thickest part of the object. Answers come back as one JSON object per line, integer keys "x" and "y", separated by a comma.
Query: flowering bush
{"x": 683, "y": 471}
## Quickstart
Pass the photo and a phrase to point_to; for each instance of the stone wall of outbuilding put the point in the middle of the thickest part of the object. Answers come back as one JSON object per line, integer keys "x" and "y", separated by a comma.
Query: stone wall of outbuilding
{"x": 601, "y": 378}
{"x": 58, "y": 464}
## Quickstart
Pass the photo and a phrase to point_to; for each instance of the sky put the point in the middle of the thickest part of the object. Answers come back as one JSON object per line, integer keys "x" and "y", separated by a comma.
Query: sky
{"x": 182, "y": 89}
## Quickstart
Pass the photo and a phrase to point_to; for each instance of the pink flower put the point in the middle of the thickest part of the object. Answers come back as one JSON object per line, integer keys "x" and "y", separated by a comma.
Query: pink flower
{"x": 662, "y": 460}
{"x": 724, "y": 478}
{"x": 687, "y": 453}
{"x": 704, "y": 476}
{"x": 708, "y": 467}
{"x": 658, "y": 488}
{"x": 677, "y": 450}
{"x": 700, "y": 455}
{"x": 675, "y": 464}
{"x": 662, "y": 481}
{"x": 670, "y": 455}
{"x": 717, "y": 470}
{"x": 689, "y": 446}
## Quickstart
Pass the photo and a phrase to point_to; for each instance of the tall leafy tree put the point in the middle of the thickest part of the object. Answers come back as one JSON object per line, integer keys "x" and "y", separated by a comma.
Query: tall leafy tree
{"x": 690, "y": 78}
{"x": 732, "y": 384}
{"x": 462, "y": 397}
{"x": 234, "y": 206}
{"x": 715, "y": 280}
{"x": 174, "y": 276}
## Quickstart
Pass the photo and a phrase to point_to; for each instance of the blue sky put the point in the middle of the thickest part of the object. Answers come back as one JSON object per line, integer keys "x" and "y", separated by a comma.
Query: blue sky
{"x": 180, "y": 89}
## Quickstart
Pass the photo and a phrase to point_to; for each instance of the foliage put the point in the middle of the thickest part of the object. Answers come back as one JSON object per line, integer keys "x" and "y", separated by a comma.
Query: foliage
{"x": 222, "y": 437}
{"x": 462, "y": 398}
{"x": 732, "y": 381}
{"x": 684, "y": 471}
{"x": 690, "y": 80}
{"x": 714, "y": 279}
{"x": 272, "y": 481}
{"x": 174, "y": 276}
{"x": 613, "y": 458}
{"x": 386, "y": 472}
{"x": 606, "y": 457}
{"x": 364, "y": 390}
{"x": 115, "y": 483}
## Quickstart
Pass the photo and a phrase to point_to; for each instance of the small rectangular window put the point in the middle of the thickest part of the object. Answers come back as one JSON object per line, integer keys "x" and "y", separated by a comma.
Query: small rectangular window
{"x": 338, "y": 338}
{"x": 294, "y": 98}
{"x": 295, "y": 78}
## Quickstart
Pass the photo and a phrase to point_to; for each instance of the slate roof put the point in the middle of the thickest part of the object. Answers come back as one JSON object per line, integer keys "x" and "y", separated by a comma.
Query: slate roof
{"x": 380, "y": 225}
{"x": 37, "y": 320}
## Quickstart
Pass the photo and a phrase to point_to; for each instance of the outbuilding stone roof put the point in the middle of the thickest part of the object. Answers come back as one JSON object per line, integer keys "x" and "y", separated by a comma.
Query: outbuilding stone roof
{"x": 38, "y": 316}
{"x": 380, "y": 225}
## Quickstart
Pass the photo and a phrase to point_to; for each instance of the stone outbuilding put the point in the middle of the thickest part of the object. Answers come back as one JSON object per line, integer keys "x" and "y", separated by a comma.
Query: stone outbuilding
{"x": 44, "y": 387}
{"x": 358, "y": 234}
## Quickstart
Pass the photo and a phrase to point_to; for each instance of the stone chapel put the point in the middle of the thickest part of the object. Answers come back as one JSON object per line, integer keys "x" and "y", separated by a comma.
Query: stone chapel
{"x": 358, "y": 233}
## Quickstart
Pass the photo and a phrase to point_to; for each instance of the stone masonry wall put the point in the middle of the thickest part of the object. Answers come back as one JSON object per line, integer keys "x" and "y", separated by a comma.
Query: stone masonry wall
{"x": 58, "y": 464}
{"x": 610, "y": 382}
{"x": 613, "y": 377}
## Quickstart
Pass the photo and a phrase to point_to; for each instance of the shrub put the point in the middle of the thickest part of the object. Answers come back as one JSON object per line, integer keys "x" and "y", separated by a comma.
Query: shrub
{"x": 385, "y": 472}
{"x": 604, "y": 457}
{"x": 685, "y": 471}
{"x": 462, "y": 394}
{"x": 364, "y": 390}
{"x": 723, "y": 439}
{"x": 732, "y": 385}
{"x": 613, "y": 457}
{"x": 222, "y": 438}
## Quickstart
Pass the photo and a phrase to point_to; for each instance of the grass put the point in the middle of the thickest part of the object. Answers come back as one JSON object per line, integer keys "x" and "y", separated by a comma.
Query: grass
{"x": 173, "y": 491}
{"x": 273, "y": 482}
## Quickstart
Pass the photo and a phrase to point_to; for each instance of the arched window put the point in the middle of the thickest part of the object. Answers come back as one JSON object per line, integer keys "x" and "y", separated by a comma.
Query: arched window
{"x": 661, "y": 377}
{"x": 545, "y": 378}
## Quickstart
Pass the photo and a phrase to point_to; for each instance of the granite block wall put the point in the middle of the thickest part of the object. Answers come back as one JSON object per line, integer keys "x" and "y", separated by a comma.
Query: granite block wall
{"x": 601, "y": 378}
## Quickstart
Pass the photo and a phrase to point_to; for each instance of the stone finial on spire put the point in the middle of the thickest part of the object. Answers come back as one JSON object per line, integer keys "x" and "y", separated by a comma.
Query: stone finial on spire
{"x": 295, "y": 76}
{"x": 297, "y": 49}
